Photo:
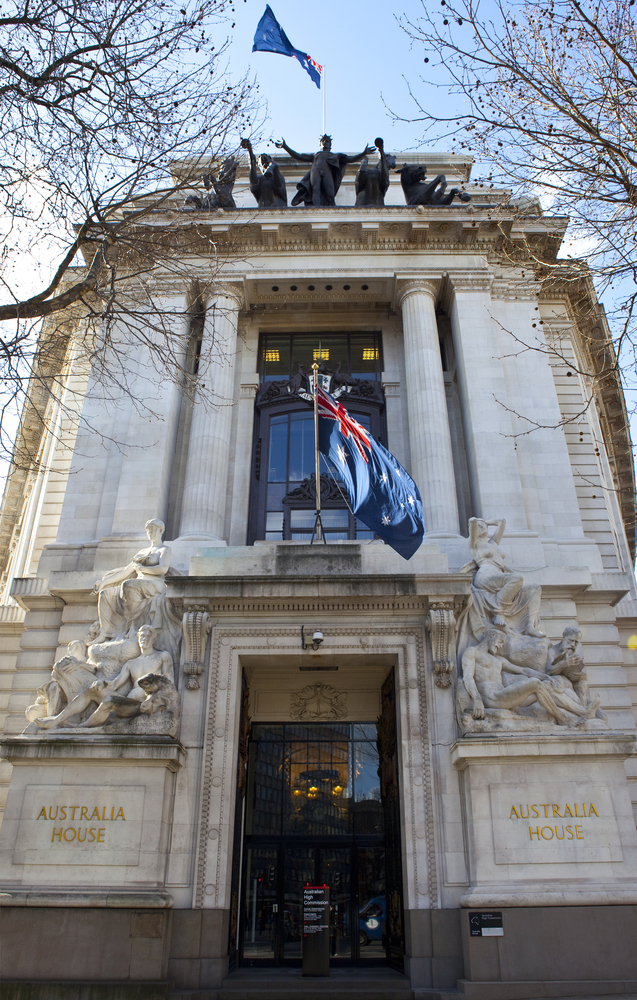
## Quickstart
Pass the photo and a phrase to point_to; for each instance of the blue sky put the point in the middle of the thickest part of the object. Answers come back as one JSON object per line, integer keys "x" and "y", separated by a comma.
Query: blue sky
{"x": 366, "y": 55}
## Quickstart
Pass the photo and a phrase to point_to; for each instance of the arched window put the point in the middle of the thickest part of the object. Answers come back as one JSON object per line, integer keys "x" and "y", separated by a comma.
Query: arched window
{"x": 283, "y": 484}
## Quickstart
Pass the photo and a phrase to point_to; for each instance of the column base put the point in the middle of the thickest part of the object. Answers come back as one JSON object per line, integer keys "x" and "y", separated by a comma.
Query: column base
{"x": 186, "y": 546}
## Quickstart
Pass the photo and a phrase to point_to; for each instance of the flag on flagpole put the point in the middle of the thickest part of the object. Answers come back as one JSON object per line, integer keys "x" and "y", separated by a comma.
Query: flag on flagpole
{"x": 270, "y": 37}
{"x": 381, "y": 493}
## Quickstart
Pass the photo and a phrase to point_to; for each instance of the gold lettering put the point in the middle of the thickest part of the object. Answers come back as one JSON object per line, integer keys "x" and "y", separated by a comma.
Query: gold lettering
{"x": 591, "y": 810}
{"x": 81, "y": 840}
{"x": 103, "y": 816}
{"x": 536, "y": 832}
{"x": 112, "y": 811}
{"x": 567, "y": 811}
{"x": 557, "y": 834}
{"x": 569, "y": 830}
{"x": 522, "y": 816}
{"x": 70, "y": 829}
{"x": 544, "y": 807}
{"x": 56, "y": 833}
{"x": 73, "y": 811}
{"x": 62, "y": 812}
{"x": 120, "y": 810}
{"x": 576, "y": 812}
{"x": 95, "y": 813}
{"x": 550, "y": 829}
{"x": 91, "y": 835}
{"x": 84, "y": 812}
{"x": 513, "y": 813}
{"x": 579, "y": 830}
{"x": 100, "y": 838}
{"x": 535, "y": 812}
{"x": 42, "y": 810}
{"x": 556, "y": 811}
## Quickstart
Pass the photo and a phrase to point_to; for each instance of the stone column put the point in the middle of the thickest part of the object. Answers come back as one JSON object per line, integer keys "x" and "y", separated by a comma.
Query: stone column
{"x": 496, "y": 488}
{"x": 429, "y": 437}
{"x": 206, "y": 479}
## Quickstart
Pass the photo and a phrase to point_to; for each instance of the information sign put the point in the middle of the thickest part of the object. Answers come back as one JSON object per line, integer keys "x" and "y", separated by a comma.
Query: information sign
{"x": 316, "y": 930}
{"x": 486, "y": 924}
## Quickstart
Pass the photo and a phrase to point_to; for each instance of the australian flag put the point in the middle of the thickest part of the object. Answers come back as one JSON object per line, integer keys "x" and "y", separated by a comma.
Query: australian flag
{"x": 381, "y": 494}
{"x": 270, "y": 37}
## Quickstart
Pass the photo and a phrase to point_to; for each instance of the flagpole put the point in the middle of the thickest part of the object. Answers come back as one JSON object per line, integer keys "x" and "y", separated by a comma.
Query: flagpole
{"x": 318, "y": 527}
{"x": 324, "y": 122}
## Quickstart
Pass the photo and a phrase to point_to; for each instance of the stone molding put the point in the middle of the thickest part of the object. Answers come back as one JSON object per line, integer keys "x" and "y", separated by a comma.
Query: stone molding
{"x": 54, "y": 746}
{"x": 99, "y": 898}
{"x": 248, "y": 390}
{"x": 417, "y": 286}
{"x": 470, "y": 281}
{"x": 511, "y": 748}
{"x": 441, "y": 624}
{"x": 195, "y": 626}
{"x": 522, "y": 289}
{"x": 232, "y": 291}
{"x": 223, "y": 638}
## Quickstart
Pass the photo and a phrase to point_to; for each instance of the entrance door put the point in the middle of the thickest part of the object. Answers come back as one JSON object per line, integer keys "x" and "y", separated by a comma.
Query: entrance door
{"x": 315, "y": 815}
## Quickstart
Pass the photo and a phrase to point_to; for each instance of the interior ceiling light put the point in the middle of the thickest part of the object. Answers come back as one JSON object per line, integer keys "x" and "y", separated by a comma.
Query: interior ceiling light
{"x": 370, "y": 354}
{"x": 273, "y": 356}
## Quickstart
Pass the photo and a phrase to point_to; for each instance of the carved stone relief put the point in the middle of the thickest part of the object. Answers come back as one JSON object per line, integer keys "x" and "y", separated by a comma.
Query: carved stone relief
{"x": 441, "y": 624}
{"x": 195, "y": 628}
{"x": 318, "y": 701}
{"x": 513, "y": 678}
{"x": 120, "y": 680}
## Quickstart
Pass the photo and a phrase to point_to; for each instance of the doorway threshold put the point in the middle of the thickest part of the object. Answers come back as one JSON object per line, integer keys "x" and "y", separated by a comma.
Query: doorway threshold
{"x": 348, "y": 983}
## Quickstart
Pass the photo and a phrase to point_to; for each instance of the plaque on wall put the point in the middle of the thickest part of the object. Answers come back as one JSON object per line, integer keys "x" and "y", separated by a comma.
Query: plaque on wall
{"x": 486, "y": 924}
{"x": 554, "y": 822}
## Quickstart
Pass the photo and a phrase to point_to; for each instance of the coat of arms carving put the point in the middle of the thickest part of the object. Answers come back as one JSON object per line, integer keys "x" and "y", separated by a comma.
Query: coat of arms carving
{"x": 318, "y": 701}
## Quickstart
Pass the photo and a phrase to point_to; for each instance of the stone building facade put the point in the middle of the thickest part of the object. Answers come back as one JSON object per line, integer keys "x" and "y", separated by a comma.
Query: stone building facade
{"x": 352, "y": 761}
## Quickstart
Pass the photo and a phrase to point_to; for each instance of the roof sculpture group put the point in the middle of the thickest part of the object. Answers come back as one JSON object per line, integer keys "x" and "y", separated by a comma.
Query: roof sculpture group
{"x": 321, "y": 183}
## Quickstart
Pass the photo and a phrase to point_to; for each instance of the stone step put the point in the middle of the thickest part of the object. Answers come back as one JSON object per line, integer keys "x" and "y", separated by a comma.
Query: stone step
{"x": 289, "y": 984}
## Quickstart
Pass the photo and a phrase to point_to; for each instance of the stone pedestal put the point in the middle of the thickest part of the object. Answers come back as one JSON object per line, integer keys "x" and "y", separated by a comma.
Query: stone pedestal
{"x": 83, "y": 850}
{"x": 552, "y": 846}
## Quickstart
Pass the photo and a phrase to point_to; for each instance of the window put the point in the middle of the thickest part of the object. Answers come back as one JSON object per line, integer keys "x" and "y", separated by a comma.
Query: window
{"x": 355, "y": 354}
{"x": 283, "y": 487}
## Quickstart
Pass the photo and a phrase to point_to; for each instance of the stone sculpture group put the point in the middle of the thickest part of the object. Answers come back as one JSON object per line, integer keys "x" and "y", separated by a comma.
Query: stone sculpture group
{"x": 513, "y": 678}
{"x": 120, "y": 680}
{"x": 321, "y": 183}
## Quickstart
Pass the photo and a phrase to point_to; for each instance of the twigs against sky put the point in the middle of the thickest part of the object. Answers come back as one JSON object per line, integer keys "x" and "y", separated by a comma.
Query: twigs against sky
{"x": 97, "y": 98}
{"x": 547, "y": 100}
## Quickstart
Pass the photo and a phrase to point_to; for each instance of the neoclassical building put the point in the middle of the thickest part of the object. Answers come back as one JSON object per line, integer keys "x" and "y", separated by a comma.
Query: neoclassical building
{"x": 448, "y": 742}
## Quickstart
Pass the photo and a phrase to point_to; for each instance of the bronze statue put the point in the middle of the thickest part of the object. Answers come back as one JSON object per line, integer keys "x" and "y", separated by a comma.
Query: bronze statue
{"x": 321, "y": 183}
{"x": 220, "y": 188}
{"x": 417, "y": 192}
{"x": 267, "y": 186}
{"x": 372, "y": 182}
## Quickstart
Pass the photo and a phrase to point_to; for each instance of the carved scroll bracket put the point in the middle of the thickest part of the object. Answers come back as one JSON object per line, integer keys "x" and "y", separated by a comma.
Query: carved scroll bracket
{"x": 196, "y": 627}
{"x": 441, "y": 625}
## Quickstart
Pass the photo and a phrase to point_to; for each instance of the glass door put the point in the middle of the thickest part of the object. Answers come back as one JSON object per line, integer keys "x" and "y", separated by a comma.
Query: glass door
{"x": 319, "y": 800}
{"x": 261, "y": 899}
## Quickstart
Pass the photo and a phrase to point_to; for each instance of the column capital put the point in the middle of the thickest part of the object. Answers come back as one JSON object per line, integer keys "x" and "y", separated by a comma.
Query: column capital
{"x": 471, "y": 281}
{"x": 417, "y": 286}
{"x": 229, "y": 290}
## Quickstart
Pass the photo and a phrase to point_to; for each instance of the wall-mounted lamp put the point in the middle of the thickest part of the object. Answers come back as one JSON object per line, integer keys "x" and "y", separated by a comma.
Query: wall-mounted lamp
{"x": 317, "y": 639}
